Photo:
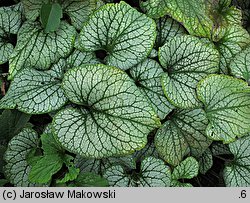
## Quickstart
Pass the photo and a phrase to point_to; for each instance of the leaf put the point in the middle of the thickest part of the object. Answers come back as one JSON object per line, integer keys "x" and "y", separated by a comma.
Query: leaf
{"x": 186, "y": 61}
{"x": 183, "y": 133}
{"x": 10, "y": 20}
{"x": 6, "y": 50}
{"x": 154, "y": 8}
{"x": 153, "y": 173}
{"x": 192, "y": 14}
{"x": 36, "y": 92}
{"x": 237, "y": 174}
{"x": 98, "y": 166}
{"x": 90, "y": 180}
{"x": 50, "y": 145}
{"x": 218, "y": 148}
{"x": 44, "y": 168}
{"x": 120, "y": 30}
{"x": 167, "y": 28}
{"x": 37, "y": 49}
{"x": 187, "y": 169}
{"x": 234, "y": 41}
{"x": 50, "y": 16}
{"x": 205, "y": 161}
{"x": 240, "y": 65}
{"x": 147, "y": 76}
{"x": 148, "y": 150}
{"x": 32, "y": 8}
{"x": 227, "y": 107}
{"x": 114, "y": 119}
{"x": 79, "y": 11}
{"x": 11, "y": 123}
{"x": 17, "y": 168}
{"x": 78, "y": 58}
{"x": 70, "y": 175}
{"x": 2, "y": 151}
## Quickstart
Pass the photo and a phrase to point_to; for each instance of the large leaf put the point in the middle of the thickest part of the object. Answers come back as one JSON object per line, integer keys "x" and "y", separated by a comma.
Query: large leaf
{"x": 147, "y": 76}
{"x": 186, "y": 61}
{"x": 234, "y": 41}
{"x": 237, "y": 174}
{"x": 167, "y": 28}
{"x": 187, "y": 169}
{"x": 36, "y": 92}
{"x": 50, "y": 16}
{"x": 114, "y": 119}
{"x": 37, "y": 49}
{"x": 183, "y": 133}
{"x": 154, "y": 8}
{"x": 153, "y": 173}
{"x": 240, "y": 65}
{"x": 11, "y": 123}
{"x": 17, "y": 168}
{"x": 125, "y": 34}
{"x": 79, "y": 10}
{"x": 193, "y": 15}
{"x": 227, "y": 106}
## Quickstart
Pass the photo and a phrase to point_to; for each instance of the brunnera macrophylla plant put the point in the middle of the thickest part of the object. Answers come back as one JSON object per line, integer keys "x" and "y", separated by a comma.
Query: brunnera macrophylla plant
{"x": 144, "y": 93}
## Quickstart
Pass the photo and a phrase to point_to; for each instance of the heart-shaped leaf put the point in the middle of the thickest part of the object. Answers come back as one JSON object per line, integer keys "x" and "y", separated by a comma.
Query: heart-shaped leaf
{"x": 186, "y": 61}
{"x": 227, "y": 106}
{"x": 35, "y": 48}
{"x": 237, "y": 173}
{"x": 183, "y": 133}
{"x": 126, "y": 35}
{"x": 114, "y": 117}
{"x": 147, "y": 76}
{"x": 36, "y": 92}
{"x": 17, "y": 168}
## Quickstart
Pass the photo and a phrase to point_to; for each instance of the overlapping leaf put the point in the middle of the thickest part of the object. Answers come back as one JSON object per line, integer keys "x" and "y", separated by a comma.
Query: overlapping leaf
{"x": 114, "y": 117}
{"x": 37, "y": 49}
{"x": 186, "y": 61}
{"x": 153, "y": 173}
{"x": 125, "y": 34}
{"x": 227, "y": 106}
{"x": 154, "y": 8}
{"x": 147, "y": 76}
{"x": 17, "y": 168}
{"x": 205, "y": 161}
{"x": 234, "y": 41}
{"x": 240, "y": 65}
{"x": 237, "y": 174}
{"x": 182, "y": 134}
{"x": 36, "y": 92}
{"x": 167, "y": 28}
{"x": 187, "y": 169}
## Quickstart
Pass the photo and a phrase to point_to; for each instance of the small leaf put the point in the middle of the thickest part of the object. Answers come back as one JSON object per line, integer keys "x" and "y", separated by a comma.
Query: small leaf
{"x": 205, "y": 161}
{"x": 44, "y": 168}
{"x": 184, "y": 133}
{"x": 70, "y": 175}
{"x": 187, "y": 169}
{"x": 120, "y": 30}
{"x": 50, "y": 16}
{"x": 186, "y": 61}
{"x": 237, "y": 174}
{"x": 17, "y": 168}
{"x": 114, "y": 119}
{"x": 227, "y": 106}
